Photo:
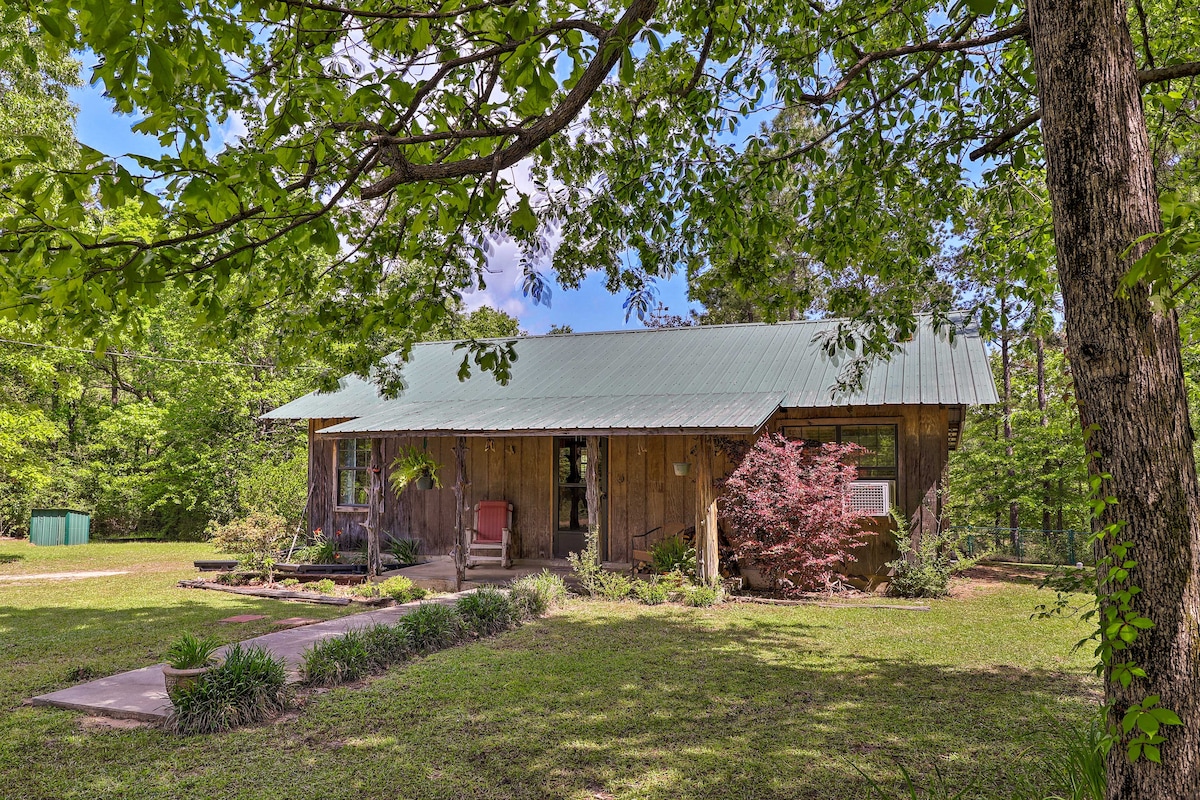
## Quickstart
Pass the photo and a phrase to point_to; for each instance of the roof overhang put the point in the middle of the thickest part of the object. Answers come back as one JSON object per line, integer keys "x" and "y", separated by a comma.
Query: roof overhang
{"x": 544, "y": 416}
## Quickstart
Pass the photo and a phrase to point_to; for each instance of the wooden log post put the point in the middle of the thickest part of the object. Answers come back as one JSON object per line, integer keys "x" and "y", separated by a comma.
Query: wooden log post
{"x": 375, "y": 497}
{"x": 461, "y": 532}
{"x": 592, "y": 483}
{"x": 707, "y": 571}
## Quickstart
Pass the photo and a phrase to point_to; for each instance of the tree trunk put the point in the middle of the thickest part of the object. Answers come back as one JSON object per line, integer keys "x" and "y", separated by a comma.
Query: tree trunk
{"x": 707, "y": 568}
{"x": 461, "y": 541}
{"x": 374, "y": 507}
{"x": 1014, "y": 514}
{"x": 1044, "y": 422}
{"x": 1126, "y": 362}
{"x": 592, "y": 490}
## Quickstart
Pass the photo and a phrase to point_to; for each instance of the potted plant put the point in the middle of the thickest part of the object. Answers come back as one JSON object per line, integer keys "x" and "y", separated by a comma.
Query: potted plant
{"x": 414, "y": 466}
{"x": 188, "y": 659}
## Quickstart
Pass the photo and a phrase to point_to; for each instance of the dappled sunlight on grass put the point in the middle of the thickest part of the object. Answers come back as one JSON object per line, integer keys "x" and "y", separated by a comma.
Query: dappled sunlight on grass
{"x": 631, "y": 702}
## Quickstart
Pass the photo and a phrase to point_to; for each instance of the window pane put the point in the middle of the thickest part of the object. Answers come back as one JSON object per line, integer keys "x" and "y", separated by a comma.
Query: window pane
{"x": 345, "y": 449}
{"x": 572, "y": 461}
{"x": 813, "y": 435}
{"x": 346, "y": 487}
{"x": 880, "y": 441}
{"x": 362, "y": 453}
{"x": 572, "y": 508}
{"x": 360, "y": 487}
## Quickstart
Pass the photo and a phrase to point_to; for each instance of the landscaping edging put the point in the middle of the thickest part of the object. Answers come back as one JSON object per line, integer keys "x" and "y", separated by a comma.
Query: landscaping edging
{"x": 274, "y": 594}
{"x": 771, "y": 601}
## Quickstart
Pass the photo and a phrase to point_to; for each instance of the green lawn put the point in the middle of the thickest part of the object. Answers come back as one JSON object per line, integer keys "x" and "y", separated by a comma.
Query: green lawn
{"x": 598, "y": 700}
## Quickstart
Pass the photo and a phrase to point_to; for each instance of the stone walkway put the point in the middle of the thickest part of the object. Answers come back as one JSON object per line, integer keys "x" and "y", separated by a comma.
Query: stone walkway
{"x": 141, "y": 693}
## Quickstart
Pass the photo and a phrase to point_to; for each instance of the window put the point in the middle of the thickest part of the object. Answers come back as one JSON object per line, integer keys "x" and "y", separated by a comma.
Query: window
{"x": 881, "y": 462}
{"x": 353, "y": 461}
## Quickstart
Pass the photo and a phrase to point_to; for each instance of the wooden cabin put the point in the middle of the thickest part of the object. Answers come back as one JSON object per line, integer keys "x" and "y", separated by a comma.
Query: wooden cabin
{"x": 661, "y": 407}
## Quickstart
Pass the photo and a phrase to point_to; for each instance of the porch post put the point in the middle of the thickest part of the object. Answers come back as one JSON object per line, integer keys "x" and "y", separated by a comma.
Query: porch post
{"x": 374, "y": 506}
{"x": 592, "y": 479}
{"x": 460, "y": 524}
{"x": 706, "y": 514}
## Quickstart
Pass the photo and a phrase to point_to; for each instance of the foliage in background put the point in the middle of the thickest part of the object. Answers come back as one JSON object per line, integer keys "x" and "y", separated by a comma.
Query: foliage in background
{"x": 786, "y": 504}
{"x": 249, "y": 686}
{"x": 652, "y": 592}
{"x": 1045, "y": 476}
{"x": 613, "y": 585}
{"x": 321, "y": 550}
{"x": 255, "y": 539}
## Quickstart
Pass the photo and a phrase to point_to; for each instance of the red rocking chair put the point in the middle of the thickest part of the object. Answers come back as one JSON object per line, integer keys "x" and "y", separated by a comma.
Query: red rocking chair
{"x": 491, "y": 534}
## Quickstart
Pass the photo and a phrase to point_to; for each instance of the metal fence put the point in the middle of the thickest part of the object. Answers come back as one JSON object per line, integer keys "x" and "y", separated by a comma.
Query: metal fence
{"x": 1026, "y": 545}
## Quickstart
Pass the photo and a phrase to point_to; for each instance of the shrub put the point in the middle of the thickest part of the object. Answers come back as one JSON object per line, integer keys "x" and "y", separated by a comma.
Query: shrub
{"x": 534, "y": 595}
{"x": 586, "y": 565}
{"x": 431, "y": 626}
{"x": 192, "y": 652}
{"x": 925, "y": 571}
{"x": 255, "y": 539}
{"x": 336, "y": 660}
{"x": 353, "y": 655}
{"x": 365, "y": 589}
{"x": 405, "y": 551}
{"x": 613, "y": 586}
{"x": 673, "y": 555}
{"x": 289, "y": 582}
{"x": 402, "y": 589}
{"x": 786, "y": 503}
{"x": 324, "y": 586}
{"x": 652, "y": 592}
{"x": 486, "y": 611}
{"x": 250, "y": 685}
{"x": 321, "y": 551}
{"x": 701, "y": 596}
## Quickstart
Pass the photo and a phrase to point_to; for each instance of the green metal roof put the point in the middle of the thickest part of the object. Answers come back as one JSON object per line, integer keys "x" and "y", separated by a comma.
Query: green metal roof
{"x": 719, "y": 377}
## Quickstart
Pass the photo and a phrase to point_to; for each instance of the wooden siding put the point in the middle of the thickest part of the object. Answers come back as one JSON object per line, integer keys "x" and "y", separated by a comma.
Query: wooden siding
{"x": 643, "y": 491}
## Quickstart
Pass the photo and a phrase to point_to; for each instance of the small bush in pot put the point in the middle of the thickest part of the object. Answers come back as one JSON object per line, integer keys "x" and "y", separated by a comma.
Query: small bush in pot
{"x": 188, "y": 660}
{"x": 250, "y": 685}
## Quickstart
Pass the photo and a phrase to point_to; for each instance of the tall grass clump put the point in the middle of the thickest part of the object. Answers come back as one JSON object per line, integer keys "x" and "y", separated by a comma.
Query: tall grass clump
{"x": 353, "y": 655}
{"x": 534, "y": 595}
{"x": 487, "y": 611}
{"x": 652, "y": 592}
{"x": 249, "y": 686}
{"x": 431, "y": 626}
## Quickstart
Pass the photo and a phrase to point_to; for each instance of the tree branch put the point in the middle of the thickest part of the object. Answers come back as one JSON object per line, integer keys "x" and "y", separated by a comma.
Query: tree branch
{"x": 1186, "y": 70}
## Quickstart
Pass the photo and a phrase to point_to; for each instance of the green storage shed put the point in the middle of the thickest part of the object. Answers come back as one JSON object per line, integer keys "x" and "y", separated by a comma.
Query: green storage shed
{"x": 51, "y": 526}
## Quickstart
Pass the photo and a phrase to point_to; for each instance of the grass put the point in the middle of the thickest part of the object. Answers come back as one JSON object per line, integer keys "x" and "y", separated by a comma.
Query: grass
{"x": 55, "y": 633}
{"x": 623, "y": 700}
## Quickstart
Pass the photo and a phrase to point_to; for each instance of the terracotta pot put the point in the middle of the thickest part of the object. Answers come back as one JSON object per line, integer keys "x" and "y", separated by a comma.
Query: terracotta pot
{"x": 185, "y": 678}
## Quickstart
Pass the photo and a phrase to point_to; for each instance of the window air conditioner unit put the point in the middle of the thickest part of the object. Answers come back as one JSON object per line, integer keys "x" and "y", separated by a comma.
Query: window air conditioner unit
{"x": 873, "y": 498}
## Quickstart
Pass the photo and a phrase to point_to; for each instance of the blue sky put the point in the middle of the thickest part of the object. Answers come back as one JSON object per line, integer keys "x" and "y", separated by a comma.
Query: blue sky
{"x": 589, "y": 308}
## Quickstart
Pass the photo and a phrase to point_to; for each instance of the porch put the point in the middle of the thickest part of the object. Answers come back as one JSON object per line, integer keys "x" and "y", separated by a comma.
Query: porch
{"x": 437, "y": 575}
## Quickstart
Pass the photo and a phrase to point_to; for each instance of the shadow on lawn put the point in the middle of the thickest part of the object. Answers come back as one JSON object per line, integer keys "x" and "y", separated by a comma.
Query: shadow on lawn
{"x": 11, "y": 558}
{"x": 656, "y": 705}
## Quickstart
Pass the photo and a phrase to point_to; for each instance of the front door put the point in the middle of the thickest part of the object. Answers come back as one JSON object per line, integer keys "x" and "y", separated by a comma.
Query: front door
{"x": 570, "y": 495}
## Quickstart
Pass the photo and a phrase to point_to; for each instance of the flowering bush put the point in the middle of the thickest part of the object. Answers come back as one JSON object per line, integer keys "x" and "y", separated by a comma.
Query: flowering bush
{"x": 786, "y": 503}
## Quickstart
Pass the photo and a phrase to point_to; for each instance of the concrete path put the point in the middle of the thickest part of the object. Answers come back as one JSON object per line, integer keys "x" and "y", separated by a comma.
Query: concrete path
{"x": 142, "y": 694}
{"x": 61, "y": 576}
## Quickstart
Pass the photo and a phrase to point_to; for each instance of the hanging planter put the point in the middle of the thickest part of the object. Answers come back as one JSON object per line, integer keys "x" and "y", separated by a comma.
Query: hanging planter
{"x": 682, "y": 468}
{"x": 416, "y": 467}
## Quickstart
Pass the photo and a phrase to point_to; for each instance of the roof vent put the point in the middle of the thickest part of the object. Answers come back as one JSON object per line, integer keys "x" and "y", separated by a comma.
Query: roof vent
{"x": 873, "y": 498}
